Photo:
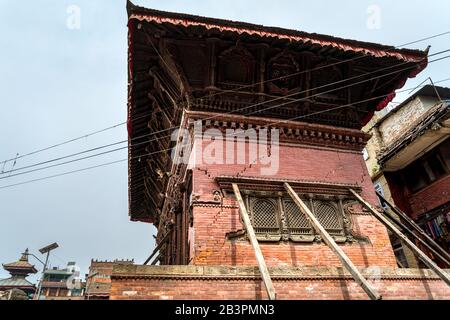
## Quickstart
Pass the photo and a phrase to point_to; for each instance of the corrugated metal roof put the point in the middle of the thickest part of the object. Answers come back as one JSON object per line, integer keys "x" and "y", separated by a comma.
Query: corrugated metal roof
{"x": 15, "y": 282}
{"x": 416, "y": 129}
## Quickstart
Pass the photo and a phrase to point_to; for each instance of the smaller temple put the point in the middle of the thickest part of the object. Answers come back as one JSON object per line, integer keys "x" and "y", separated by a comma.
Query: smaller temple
{"x": 19, "y": 270}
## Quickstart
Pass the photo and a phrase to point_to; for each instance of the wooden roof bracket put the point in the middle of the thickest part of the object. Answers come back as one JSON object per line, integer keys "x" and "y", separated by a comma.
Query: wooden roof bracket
{"x": 252, "y": 236}
{"x": 389, "y": 225}
{"x": 345, "y": 260}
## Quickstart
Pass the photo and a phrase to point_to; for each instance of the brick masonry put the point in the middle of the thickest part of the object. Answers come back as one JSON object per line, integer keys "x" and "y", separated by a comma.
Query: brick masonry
{"x": 211, "y": 224}
{"x": 221, "y": 268}
{"x": 222, "y": 282}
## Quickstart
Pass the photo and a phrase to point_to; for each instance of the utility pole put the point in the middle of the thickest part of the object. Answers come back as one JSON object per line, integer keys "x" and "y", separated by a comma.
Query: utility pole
{"x": 47, "y": 250}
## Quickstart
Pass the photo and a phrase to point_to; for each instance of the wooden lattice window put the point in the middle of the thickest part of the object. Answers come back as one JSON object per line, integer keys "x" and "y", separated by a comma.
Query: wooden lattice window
{"x": 265, "y": 218}
{"x": 328, "y": 216}
{"x": 276, "y": 218}
{"x": 299, "y": 227}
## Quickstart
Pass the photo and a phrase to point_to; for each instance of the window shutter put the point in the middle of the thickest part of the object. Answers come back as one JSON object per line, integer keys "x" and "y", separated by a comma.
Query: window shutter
{"x": 265, "y": 220}
{"x": 298, "y": 226}
{"x": 328, "y": 216}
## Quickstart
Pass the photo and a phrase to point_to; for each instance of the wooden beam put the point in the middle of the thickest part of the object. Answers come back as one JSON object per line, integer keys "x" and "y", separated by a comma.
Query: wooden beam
{"x": 442, "y": 252}
{"x": 252, "y": 236}
{"x": 422, "y": 256}
{"x": 348, "y": 264}
{"x": 154, "y": 262}
{"x": 163, "y": 240}
{"x": 404, "y": 228}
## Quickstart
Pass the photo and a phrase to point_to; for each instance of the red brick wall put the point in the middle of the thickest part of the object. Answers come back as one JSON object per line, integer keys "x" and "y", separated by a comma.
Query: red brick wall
{"x": 178, "y": 289}
{"x": 211, "y": 247}
{"x": 297, "y": 163}
{"x": 431, "y": 197}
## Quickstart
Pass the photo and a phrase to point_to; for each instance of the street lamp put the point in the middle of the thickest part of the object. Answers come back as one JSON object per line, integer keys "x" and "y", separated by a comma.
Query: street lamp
{"x": 44, "y": 250}
{"x": 30, "y": 254}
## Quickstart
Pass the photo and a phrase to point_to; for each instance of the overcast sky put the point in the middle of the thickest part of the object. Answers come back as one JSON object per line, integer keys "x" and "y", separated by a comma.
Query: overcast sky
{"x": 58, "y": 82}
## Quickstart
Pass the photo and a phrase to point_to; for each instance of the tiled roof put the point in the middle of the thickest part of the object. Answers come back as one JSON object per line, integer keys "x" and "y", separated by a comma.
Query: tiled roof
{"x": 20, "y": 266}
{"x": 187, "y": 20}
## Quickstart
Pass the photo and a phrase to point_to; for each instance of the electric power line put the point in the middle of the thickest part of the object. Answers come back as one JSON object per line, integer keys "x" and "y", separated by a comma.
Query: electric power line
{"x": 145, "y": 142}
{"x": 159, "y": 151}
{"x": 217, "y": 93}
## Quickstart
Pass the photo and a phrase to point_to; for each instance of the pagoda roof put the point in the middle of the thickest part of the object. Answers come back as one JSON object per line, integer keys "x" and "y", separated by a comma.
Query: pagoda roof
{"x": 238, "y": 27}
{"x": 21, "y": 266}
{"x": 146, "y": 188}
{"x": 16, "y": 282}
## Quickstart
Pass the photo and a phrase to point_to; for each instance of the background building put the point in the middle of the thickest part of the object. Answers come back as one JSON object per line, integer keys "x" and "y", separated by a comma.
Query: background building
{"x": 408, "y": 158}
{"x": 98, "y": 280}
{"x": 62, "y": 283}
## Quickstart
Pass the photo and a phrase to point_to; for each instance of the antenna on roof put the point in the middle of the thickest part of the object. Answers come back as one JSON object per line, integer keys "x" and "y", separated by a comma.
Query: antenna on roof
{"x": 432, "y": 84}
{"x": 435, "y": 90}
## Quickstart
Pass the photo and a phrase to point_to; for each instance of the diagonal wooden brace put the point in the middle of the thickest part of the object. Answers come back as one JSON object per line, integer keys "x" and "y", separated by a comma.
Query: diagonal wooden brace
{"x": 436, "y": 250}
{"x": 345, "y": 260}
{"x": 252, "y": 236}
{"x": 422, "y": 256}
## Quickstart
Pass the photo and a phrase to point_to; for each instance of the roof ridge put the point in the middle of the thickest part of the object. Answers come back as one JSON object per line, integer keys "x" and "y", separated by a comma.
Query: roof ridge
{"x": 134, "y": 9}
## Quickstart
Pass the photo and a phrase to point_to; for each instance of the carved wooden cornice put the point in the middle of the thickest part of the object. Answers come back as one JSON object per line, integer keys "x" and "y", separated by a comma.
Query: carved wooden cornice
{"x": 290, "y": 131}
{"x": 276, "y": 185}
{"x": 213, "y": 204}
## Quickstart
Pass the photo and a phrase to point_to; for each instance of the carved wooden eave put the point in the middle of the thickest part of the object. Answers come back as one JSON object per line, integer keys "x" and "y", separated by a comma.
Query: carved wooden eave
{"x": 295, "y": 132}
{"x": 179, "y": 62}
{"x": 277, "y": 185}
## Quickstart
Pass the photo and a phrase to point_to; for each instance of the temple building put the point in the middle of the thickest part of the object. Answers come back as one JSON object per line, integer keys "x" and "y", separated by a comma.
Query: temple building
{"x": 19, "y": 270}
{"x": 245, "y": 152}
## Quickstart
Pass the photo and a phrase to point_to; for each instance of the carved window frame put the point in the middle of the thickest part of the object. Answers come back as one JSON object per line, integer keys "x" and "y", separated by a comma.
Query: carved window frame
{"x": 244, "y": 56}
{"x": 300, "y": 230}
{"x": 285, "y": 64}
{"x": 265, "y": 232}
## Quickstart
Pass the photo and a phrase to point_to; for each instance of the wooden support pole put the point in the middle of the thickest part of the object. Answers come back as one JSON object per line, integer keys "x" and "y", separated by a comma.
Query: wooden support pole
{"x": 156, "y": 260}
{"x": 252, "y": 236}
{"x": 404, "y": 228}
{"x": 414, "y": 225}
{"x": 422, "y": 256}
{"x": 348, "y": 264}
{"x": 163, "y": 240}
